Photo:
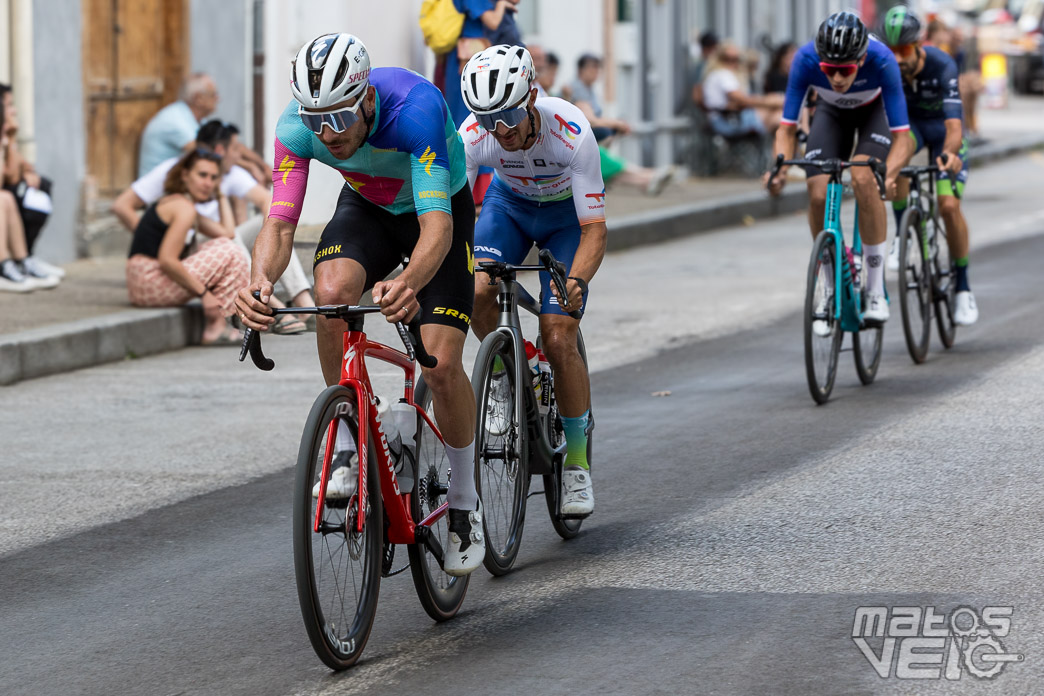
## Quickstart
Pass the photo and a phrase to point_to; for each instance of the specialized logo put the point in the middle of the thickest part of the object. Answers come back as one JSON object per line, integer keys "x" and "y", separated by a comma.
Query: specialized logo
{"x": 426, "y": 159}
{"x": 349, "y": 355}
{"x": 450, "y": 312}
{"x": 571, "y": 129}
{"x": 286, "y": 166}
{"x": 328, "y": 251}
{"x": 471, "y": 258}
{"x": 933, "y": 645}
{"x": 320, "y": 48}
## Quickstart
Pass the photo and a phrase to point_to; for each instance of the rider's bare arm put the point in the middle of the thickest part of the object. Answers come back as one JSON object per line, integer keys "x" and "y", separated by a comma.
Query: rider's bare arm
{"x": 436, "y": 236}
{"x": 954, "y": 141}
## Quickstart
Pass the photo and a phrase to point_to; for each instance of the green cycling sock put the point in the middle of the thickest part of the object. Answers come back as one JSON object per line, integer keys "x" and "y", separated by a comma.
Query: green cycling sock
{"x": 576, "y": 441}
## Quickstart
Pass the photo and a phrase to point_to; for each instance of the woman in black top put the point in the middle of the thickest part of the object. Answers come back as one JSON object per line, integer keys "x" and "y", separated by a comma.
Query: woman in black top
{"x": 160, "y": 274}
{"x": 779, "y": 68}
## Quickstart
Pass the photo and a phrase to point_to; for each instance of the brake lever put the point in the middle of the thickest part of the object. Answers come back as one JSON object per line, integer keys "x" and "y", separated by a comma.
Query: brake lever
{"x": 252, "y": 345}
{"x": 557, "y": 271}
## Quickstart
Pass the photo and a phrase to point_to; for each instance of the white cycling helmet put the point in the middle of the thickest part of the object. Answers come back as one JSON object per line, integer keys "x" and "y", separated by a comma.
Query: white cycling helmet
{"x": 329, "y": 70}
{"x": 497, "y": 79}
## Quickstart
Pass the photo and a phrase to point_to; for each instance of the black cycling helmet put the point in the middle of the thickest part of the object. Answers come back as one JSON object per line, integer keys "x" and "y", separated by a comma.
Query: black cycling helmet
{"x": 842, "y": 38}
{"x": 901, "y": 26}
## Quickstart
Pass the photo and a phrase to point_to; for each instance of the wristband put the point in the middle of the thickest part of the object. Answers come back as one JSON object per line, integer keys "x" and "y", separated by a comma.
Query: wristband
{"x": 581, "y": 282}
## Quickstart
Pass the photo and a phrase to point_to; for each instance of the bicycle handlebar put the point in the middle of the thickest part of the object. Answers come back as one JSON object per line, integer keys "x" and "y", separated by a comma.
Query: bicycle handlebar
{"x": 914, "y": 172}
{"x": 548, "y": 262}
{"x": 558, "y": 276}
{"x": 836, "y": 166}
{"x": 411, "y": 337}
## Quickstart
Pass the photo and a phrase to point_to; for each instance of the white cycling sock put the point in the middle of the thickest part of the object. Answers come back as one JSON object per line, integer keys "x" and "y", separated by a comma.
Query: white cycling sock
{"x": 462, "y": 494}
{"x": 873, "y": 257}
{"x": 344, "y": 440}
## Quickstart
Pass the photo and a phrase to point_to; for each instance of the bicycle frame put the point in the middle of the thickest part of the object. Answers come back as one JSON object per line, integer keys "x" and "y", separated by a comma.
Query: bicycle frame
{"x": 541, "y": 453}
{"x": 846, "y": 299}
{"x": 402, "y": 528}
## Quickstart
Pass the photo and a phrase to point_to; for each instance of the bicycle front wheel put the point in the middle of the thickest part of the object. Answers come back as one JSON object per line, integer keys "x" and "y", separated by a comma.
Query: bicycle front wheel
{"x": 440, "y": 594}
{"x": 338, "y": 568}
{"x": 944, "y": 273}
{"x": 822, "y": 329}
{"x": 503, "y": 473}
{"x": 915, "y": 286}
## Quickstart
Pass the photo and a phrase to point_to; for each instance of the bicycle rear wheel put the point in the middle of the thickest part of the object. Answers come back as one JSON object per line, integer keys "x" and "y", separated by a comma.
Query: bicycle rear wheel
{"x": 822, "y": 329}
{"x": 944, "y": 281}
{"x": 915, "y": 286}
{"x": 503, "y": 471}
{"x": 338, "y": 569}
{"x": 440, "y": 594}
{"x": 567, "y": 528}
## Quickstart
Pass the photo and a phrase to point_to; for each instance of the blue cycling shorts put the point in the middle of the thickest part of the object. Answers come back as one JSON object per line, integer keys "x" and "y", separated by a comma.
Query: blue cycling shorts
{"x": 509, "y": 226}
{"x": 932, "y": 133}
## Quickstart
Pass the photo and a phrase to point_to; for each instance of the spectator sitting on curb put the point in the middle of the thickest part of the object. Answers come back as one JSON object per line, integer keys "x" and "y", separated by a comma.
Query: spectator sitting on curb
{"x": 32, "y": 192}
{"x": 731, "y": 110}
{"x": 249, "y": 160}
{"x": 159, "y": 274}
{"x": 13, "y": 249}
{"x": 172, "y": 130}
{"x": 650, "y": 181}
{"x": 236, "y": 183}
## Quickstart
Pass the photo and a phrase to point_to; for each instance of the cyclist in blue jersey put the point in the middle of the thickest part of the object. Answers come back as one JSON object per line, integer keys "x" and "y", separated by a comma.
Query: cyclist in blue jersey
{"x": 389, "y": 134}
{"x": 933, "y": 100}
{"x": 860, "y": 103}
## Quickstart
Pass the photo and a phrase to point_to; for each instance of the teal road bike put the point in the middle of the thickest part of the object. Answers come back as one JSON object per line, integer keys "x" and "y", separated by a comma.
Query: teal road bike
{"x": 834, "y": 302}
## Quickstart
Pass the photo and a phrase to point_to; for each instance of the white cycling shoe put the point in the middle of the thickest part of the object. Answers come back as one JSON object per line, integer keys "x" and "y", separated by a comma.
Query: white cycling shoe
{"x": 467, "y": 543}
{"x": 876, "y": 309}
{"x": 965, "y": 311}
{"x": 499, "y": 406}
{"x": 577, "y": 492}
{"x": 821, "y": 327}
{"x": 893, "y": 255}
{"x": 345, "y": 477}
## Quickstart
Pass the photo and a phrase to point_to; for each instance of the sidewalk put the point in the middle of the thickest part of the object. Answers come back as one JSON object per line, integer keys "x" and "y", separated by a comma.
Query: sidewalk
{"x": 87, "y": 320}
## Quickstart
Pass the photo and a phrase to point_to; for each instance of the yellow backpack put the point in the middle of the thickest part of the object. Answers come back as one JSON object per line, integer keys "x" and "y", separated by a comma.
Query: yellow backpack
{"x": 441, "y": 24}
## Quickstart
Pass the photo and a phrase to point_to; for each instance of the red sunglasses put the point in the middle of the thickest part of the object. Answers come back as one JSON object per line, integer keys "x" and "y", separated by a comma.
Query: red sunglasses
{"x": 829, "y": 69}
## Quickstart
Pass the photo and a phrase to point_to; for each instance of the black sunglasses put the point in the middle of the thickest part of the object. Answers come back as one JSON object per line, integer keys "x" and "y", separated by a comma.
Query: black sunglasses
{"x": 208, "y": 155}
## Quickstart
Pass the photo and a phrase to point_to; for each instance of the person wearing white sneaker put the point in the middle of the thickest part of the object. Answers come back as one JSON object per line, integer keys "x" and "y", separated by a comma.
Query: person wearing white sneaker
{"x": 12, "y": 279}
{"x": 548, "y": 191}
{"x": 933, "y": 99}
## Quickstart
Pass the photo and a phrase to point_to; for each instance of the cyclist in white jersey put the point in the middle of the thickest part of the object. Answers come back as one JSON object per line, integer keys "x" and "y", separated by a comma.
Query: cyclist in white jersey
{"x": 547, "y": 190}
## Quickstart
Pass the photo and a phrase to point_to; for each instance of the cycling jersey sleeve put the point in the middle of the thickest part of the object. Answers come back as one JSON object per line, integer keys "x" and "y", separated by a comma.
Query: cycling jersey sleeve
{"x": 798, "y": 82}
{"x": 289, "y": 180}
{"x": 467, "y": 130}
{"x": 894, "y": 99}
{"x": 423, "y": 133}
{"x": 586, "y": 174}
{"x": 952, "y": 107}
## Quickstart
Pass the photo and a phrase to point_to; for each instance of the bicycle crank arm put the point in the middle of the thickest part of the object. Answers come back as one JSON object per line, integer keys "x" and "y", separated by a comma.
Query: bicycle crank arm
{"x": 422, "y": 534}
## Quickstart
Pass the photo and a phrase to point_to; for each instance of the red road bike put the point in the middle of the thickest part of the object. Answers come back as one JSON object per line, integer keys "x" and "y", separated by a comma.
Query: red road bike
{"x": 344, "y": 546}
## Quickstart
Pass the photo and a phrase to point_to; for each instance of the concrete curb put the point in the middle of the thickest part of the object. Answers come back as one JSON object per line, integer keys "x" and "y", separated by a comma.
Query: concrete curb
{"x": 87, "y": 342}
{"x": 140, "y": 332}
{"x": 681, "y": 221}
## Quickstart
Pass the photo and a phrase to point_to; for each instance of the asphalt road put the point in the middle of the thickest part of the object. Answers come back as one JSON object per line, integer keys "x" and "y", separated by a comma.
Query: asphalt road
{"x": 738, "y": 526}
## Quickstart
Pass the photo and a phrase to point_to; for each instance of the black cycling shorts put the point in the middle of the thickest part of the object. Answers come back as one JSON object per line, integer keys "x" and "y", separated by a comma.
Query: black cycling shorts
{"x": 379, "y": 241}
{"x": 835, "y": 131}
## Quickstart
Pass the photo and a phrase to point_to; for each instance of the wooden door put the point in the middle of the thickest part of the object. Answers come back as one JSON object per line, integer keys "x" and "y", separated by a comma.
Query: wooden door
{"x": 135, "y": 58}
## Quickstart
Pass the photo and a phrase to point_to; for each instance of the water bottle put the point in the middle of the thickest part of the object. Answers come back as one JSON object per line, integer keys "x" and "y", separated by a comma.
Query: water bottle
{"x": 545, "y": 384}
{"x": 533, "y": 358}
{"x": 391, "y": 431}
{"x": 404, "y": 416}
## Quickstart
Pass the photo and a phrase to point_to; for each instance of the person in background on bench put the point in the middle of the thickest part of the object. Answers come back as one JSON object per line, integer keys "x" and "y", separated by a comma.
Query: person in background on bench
{"x": 236, "y": 184}
{"x": 172, "y": 131}
{"x": 161, "y": 274}
{"x": 31, "y": 194}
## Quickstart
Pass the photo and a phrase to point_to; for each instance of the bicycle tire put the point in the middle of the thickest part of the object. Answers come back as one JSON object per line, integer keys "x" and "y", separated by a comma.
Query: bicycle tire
{"x": 867, "y": 341}
{"x": 915, "y": 286}
{"x": 440, "y": 594}
{"x": 337, "y": 651}
{"x": 944, "y": 293}
{"x": 829, "y": 346}
{"x": 503, "y": 478}
{"x": 567, "y": 528}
